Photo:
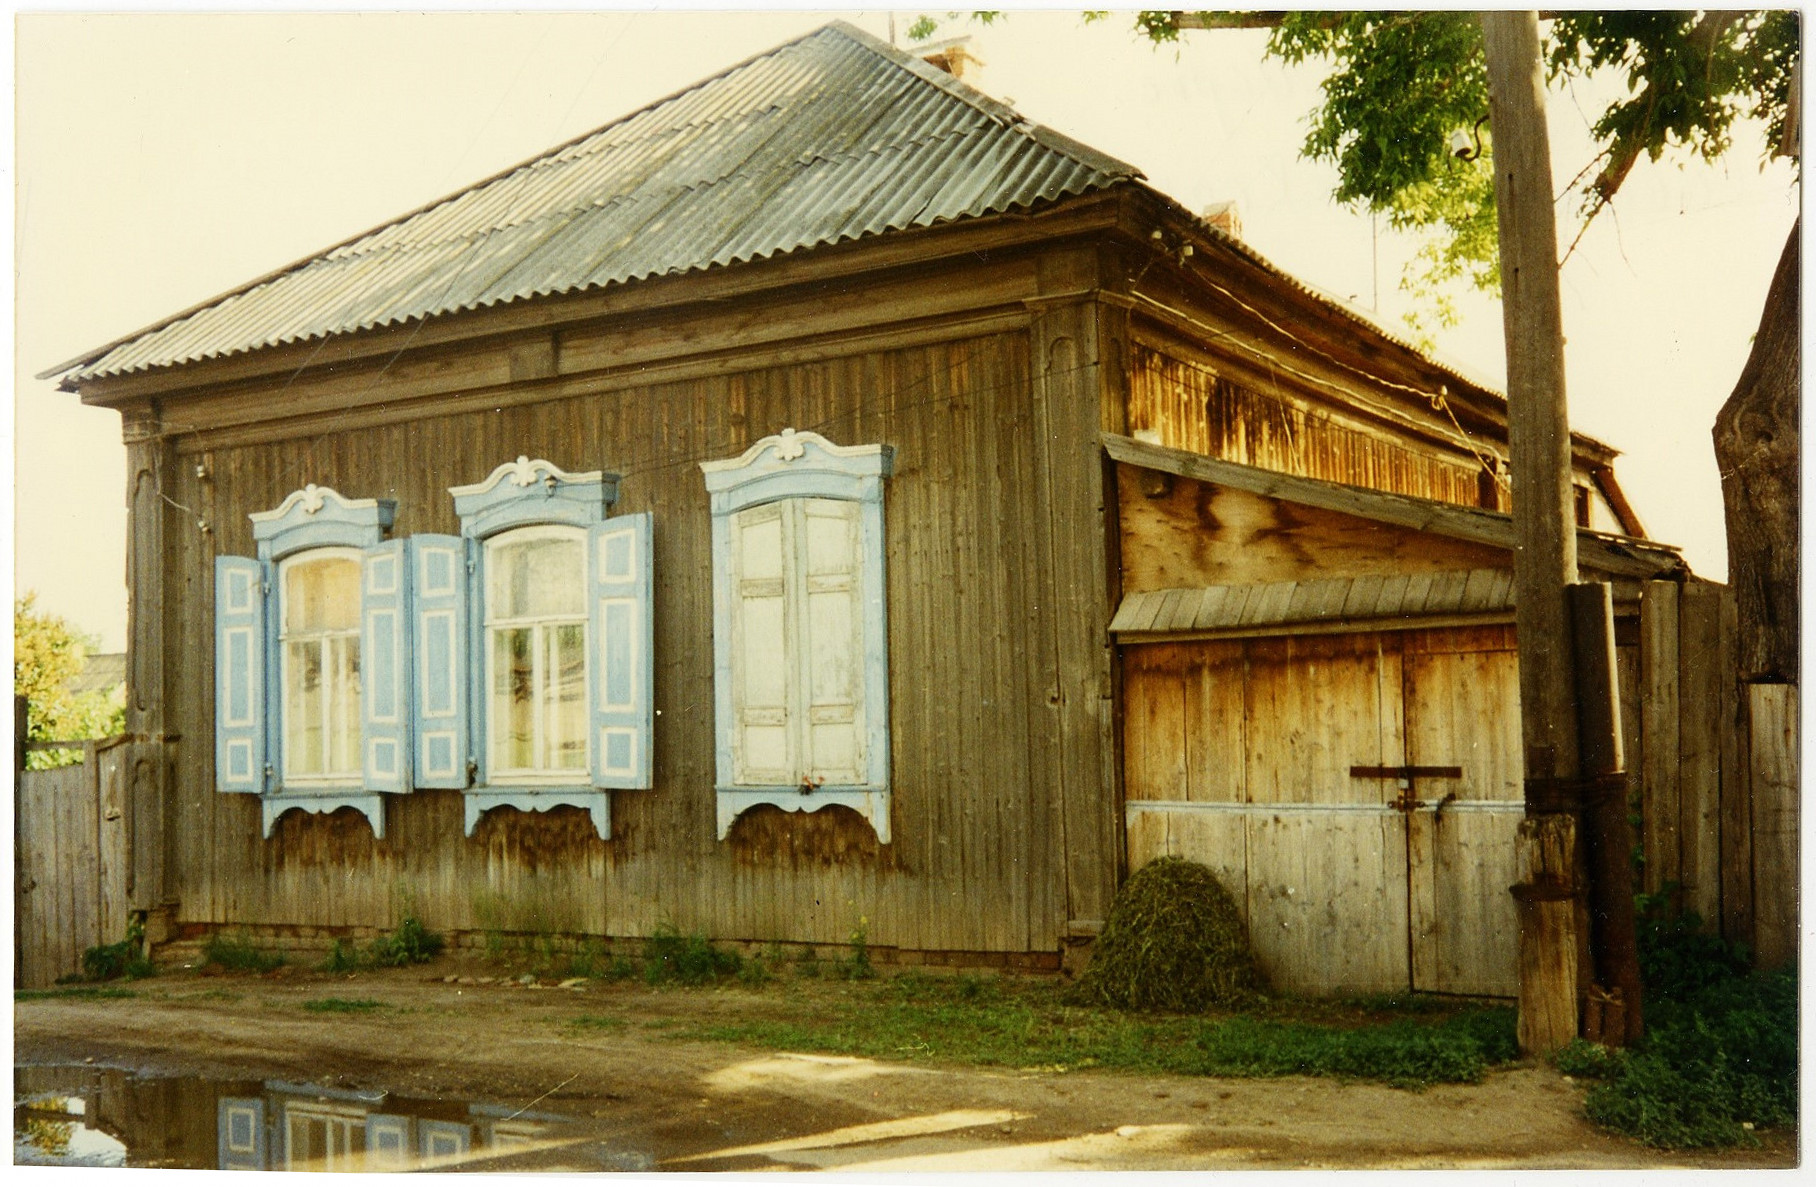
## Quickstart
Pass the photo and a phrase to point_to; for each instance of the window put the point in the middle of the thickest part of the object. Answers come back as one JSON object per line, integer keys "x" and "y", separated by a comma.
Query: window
{"x": 319, "y": 644}
{"x": 800, "y": 633}
{"x": 534, "y": 634}
{"x": 311, "y": 657}
{"x": 535, "y": 619}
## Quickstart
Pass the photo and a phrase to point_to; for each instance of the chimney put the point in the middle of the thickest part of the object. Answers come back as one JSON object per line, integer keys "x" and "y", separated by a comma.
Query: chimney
{"x": 952, "y": 55}
{"x": 1225, "y": 217}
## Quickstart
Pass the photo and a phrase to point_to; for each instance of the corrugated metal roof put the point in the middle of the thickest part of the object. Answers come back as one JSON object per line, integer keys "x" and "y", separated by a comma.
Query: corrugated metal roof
{"x": 832, "y": 136}
{"x": 1406, "y": 597}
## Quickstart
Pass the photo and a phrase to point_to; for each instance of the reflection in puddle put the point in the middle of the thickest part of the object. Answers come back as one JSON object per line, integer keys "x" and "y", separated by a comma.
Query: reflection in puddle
{"x": 86, "y": 1116}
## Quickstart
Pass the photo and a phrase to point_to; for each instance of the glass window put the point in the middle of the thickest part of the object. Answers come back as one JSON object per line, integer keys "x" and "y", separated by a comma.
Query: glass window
{"x": 319, "y": 646}
{"x": 536, "y": 647}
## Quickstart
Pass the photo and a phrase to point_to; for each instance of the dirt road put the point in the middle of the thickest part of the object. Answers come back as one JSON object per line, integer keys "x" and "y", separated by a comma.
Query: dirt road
{"x": 623, "y": 1095}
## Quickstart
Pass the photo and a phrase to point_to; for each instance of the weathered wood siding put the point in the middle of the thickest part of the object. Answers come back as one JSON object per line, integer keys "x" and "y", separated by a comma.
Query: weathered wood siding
{"x": 989, "y": 653}
{"x": 1190, "y": 405}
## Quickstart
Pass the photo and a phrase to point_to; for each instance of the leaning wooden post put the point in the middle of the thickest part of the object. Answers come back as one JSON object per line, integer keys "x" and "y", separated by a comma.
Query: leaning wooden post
{"x": 1544, "y": 526}
{"x": 1614, "y": 1001}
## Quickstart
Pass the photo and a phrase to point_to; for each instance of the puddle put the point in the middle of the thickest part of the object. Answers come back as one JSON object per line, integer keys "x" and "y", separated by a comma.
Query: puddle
{"x": 101, "y": 1117}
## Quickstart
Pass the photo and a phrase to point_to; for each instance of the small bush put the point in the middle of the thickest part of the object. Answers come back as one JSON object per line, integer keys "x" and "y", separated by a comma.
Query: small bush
{"x": 1677, "y": 958}
{"x": 341, "y": 958}
{"x": 686, "y": 960}
{"x": 411, "y": 943}
{"x": 1173, "y": 942}
{"x": 857, "y": 966}
{"x": 123, "y": 958}
{"x": 1586, "y": 1060}
{"x": 237, "y": 954}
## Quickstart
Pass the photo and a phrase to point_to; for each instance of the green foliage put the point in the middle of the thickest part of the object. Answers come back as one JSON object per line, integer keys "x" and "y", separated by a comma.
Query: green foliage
{"x": 237, "y": 954}
{"x": 123, "y": 958}
{"x": 669, "y": 956}
{"x": 1719, "y": 1058}
{"x": 595, "y": 1022}
{"x": 342, "y": 1005}
{"x": 48, "y": 652}
{"x": 411, "y": 943}
{"x": 856, "y": 966}
{"x": 923, "y": 1018}
{"x": 342, "y": 958}
{"x": 1174, "y": 941}
{"x": 1678, "y": 959}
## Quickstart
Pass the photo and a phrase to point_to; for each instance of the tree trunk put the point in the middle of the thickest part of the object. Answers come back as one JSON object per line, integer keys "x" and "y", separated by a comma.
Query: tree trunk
{"x": 1756, "y": 446}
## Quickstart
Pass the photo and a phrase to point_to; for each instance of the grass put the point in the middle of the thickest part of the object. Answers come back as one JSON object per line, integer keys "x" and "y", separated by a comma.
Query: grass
{"x": 236, "y": 953}
{"x": 670, "y": 957}
{"x": 971, "y": 1020}
{"x": 596, "y": 1022}
{"x": 73, "y": 991}
{"x": 342, "y": 1005}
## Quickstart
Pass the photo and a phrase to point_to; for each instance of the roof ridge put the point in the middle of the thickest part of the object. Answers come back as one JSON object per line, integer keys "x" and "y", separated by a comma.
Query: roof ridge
{"x": 990, "y": 106}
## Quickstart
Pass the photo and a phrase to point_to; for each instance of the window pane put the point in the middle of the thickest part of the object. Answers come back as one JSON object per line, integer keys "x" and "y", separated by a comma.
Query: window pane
{"x": 344, "y": 702}
{"x": 535, "y": 578}
{"x": 303, "y": 708}
{"x": 513, "y": 699}
{"x": 321, "y": 595}
{"x": 567, "y": 700}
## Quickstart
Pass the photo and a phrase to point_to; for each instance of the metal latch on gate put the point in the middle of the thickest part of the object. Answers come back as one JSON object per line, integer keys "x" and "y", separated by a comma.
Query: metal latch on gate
{"x": 1407, "y": 800}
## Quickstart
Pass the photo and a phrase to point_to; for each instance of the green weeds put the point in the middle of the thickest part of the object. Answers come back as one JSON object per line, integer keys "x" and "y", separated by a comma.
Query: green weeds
{"x": 123, "y": 958}
{"x": 80, "y": 992}
{"x": 411, "y": 943}
{"x": 993, "y": 1022}
{"x": 670, "y": 957}
{"x": 342, "y": 1005}
{"x": 236, "y": 953}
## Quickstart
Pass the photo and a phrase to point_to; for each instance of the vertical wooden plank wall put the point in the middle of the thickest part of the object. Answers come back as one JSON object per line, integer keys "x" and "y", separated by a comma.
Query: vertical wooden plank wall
{"x": 1000, "y": 668}
{"x": 70, "y": 865}
{"x": 1717, "y": 767}
{"x": 1772, "y": 714}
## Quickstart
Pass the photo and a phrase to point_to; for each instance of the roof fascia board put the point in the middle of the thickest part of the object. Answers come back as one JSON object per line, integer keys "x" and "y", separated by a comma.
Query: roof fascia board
{"x": 1617, "y": 555}
{"x": 1081, "y": 216}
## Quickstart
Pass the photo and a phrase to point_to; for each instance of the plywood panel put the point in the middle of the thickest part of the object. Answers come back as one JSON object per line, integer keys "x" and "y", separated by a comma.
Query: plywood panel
{"x": 1194, "y": 534}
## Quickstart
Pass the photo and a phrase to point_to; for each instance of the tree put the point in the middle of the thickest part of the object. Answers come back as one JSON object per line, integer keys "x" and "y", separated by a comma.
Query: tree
{"x": 47, "y": 654}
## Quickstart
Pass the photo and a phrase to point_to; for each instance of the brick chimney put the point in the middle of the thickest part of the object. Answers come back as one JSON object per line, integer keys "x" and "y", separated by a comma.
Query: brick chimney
{"x": 1225, "y": 217}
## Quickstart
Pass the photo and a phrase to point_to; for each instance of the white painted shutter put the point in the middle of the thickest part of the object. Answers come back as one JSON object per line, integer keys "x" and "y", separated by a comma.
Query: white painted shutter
{"x": 240, "y": 663}
{"x": 762, "y": 672}
{"x": 384, "y": 662}
{"x": 831, "y": 628}
{"x": 439, "y": 641}
{"x": 623, "y": 639}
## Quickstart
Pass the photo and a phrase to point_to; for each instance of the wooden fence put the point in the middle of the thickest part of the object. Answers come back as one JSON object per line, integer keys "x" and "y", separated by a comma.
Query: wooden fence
{"x": 1717, "y": 768}
{"x": 71, "y": 871}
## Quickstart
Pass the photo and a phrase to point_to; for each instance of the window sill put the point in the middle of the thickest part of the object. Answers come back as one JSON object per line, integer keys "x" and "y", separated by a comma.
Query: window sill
{"x": 310, "y": 797}
{"x": 872, "y": 803}
{"x": 540, "y": 798}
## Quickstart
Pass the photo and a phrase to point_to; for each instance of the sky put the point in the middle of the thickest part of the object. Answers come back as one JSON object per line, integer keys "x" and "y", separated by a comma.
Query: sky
{"x": 161, "y": 159}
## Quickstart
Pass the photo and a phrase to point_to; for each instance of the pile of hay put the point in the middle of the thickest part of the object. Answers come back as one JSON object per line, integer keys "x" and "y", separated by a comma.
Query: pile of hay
{"x": 1174, "y": 941}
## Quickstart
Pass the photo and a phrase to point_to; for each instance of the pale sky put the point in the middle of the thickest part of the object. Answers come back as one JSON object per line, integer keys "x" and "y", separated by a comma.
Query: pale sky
{"x": 161, "y": 159}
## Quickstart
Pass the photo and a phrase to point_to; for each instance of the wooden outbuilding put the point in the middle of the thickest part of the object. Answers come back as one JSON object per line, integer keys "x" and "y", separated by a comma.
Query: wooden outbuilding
{"x": 824, "y": 502}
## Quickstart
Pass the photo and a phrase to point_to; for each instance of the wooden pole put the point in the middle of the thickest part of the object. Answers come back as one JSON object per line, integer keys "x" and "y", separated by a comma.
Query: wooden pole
{"x": 1543, "y": 518}
{"x": 1614, "y": 1001}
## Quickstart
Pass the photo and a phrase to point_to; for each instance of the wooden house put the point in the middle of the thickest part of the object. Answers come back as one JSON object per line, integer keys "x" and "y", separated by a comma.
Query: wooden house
{"x": 823, "y": 502}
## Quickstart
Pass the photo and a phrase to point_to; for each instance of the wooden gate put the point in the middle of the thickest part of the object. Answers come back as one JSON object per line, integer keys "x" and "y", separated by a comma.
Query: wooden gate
{"x": 70, "y": 862}
{"x": 1358, "y": 795}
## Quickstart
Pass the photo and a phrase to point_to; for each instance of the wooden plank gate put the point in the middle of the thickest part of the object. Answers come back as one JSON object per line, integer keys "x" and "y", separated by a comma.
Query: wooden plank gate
{"x": 71, "y": 870}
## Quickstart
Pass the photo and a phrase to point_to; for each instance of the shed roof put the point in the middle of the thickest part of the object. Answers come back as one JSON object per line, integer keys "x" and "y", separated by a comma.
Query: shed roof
{"x": 832, "y": 136}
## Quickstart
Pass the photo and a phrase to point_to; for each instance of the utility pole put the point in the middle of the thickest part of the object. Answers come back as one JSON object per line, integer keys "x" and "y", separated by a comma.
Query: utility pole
{"x": 1544, "y": 530}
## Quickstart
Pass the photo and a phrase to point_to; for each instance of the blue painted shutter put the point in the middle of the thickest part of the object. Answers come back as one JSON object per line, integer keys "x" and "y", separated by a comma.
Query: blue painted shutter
{"x": 384, "y": 662}
{"x": 240, "y": 1133}
{"x": 619, "y": 570}
{"x": 438, "y": 580}
{"x": 239, "y": 673}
